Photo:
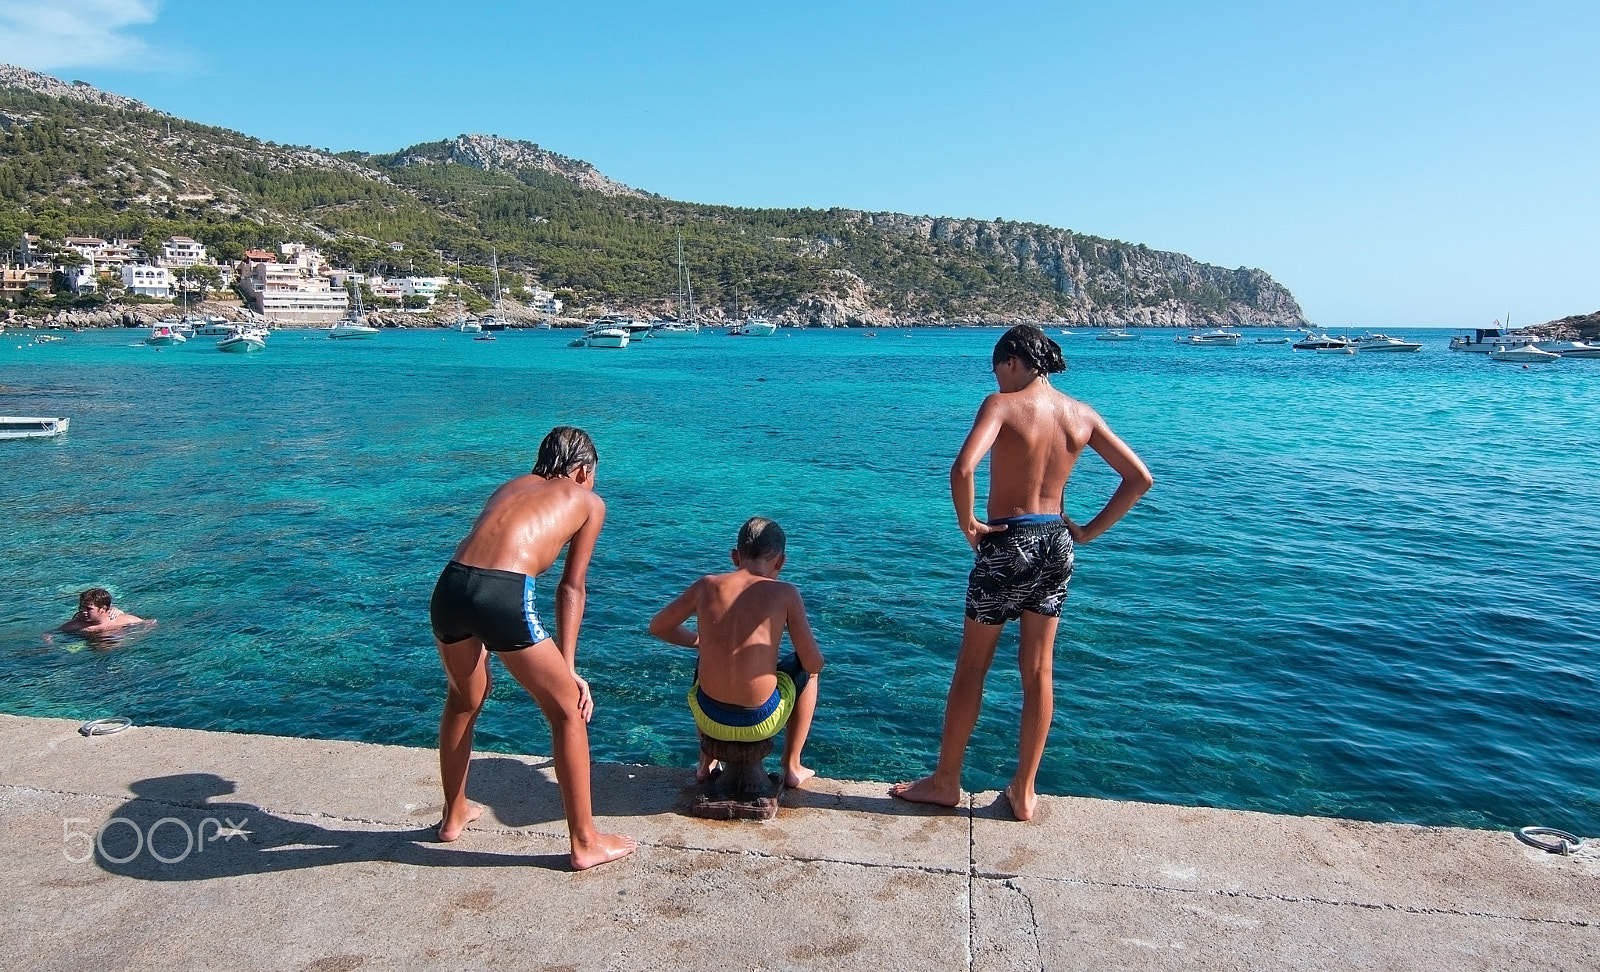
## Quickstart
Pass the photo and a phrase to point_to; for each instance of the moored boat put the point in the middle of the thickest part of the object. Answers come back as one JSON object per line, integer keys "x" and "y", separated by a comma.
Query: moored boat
{"x": 1220, "y": 338}
{"x": 606, "y": 337}
{"x": 1116, "y": 334}
{"x": 1383, "y": 342}
{"x": 165, "y": 334}
{"x": 1316, "y": 342}
{"x": 1570, "y": 349}
{"x": 1526, "y": 353}
{"x": 243, "y": 340}
{"x": 753, "y": 326}
{"x": 31, "y": 427}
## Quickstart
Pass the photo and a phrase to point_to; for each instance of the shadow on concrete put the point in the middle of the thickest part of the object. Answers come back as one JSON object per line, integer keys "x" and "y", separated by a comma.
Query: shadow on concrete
{"x": 176, "y": 829}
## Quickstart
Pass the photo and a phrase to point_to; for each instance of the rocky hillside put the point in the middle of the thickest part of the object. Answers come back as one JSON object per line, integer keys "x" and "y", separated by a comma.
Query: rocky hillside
{"x": 1579, "y": 327}
{"x": 74, "y": 160}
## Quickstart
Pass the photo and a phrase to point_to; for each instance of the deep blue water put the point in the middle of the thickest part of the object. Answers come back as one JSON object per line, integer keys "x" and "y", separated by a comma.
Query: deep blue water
{"x": 1363, "y": 586}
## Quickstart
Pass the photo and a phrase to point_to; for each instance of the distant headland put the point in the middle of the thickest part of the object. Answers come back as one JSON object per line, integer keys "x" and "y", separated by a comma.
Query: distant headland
{"x": 76, "y": 161}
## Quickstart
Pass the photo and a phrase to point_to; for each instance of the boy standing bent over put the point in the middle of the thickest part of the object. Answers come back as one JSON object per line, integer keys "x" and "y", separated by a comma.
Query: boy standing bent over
{"x": 1033, "y": 436}
{"x": 742, "y": 692}
{"x": 484, "y": 603}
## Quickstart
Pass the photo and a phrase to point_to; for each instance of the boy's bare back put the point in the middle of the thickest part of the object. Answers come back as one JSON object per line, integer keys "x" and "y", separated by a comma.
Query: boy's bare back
{"x": 741, "y": 618}
{"x": 527, "y": 521}
{"x": 1041, "y": 433}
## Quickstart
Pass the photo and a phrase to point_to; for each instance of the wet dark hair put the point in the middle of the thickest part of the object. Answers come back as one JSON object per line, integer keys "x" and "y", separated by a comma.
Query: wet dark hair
{"x": 1029, "y": 345}
{"x": 760, "y": 539}
{"x": 563, "y": 451}
{"x": 94, "y": 597}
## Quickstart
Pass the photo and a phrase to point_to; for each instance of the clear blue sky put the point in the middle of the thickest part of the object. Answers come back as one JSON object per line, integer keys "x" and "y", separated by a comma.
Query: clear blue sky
{"x": 1422, "y": 162}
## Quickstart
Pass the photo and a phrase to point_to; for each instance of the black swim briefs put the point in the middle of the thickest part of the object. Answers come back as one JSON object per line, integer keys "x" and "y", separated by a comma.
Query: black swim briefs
{"x": 495, "y": 606}
{"x": 1025, "y": 567}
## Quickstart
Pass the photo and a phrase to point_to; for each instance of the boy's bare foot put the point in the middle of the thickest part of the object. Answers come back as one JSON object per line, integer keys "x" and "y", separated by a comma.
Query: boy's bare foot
{"x": 792, "y": 778}
{"x": 1022, "y": 809}
{"x": 606, "y": 847}
{"x": 703, "y": 771}
{"x": 451, "y": 829}
{"x": 926, "y": 790}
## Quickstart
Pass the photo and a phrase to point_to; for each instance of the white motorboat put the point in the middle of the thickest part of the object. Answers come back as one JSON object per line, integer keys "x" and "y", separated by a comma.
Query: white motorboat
{"x": 243, "y": 340}
{"x": 467, "y": 325}
{"x": 31, "y": 427}
{"x": 1336, "y": 349}
{"x": 1526, "y": 353}
{"x": 165, "y": 334}
{"x": 1116, "y": 334}
{"x": 1570, "y": 349}
{"x": 213, "y": 327}
{"x": 1383, "y": 342}
{"x": 753, "y": 326}
{"x": 1316, "y": 342}
{"x": 1219, "y": 338}
{"x": 606, "y": 337}
{"x": 1272, "y": 340}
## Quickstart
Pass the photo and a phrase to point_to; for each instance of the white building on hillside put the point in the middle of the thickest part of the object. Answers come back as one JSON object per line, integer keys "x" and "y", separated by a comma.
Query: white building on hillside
{"x": 423, "y": 287}
{"x": 292, "y": 293}
{"x": 545, "y": 302}
{"x": 147, "y": 281}
{"x": 180, "y": 251}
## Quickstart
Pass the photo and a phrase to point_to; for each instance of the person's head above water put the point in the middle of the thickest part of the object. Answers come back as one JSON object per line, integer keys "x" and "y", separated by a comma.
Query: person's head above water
{"x": 94, "y": 597}
{"x": 760, "y": 539}
{"x": 1030, "y": 346}
{"x": 564, "y": 451}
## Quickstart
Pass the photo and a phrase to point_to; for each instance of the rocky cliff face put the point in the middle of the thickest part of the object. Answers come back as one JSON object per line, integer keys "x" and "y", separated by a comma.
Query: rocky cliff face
{"x": 495, "y": 154}
{"x": 16, "y": 77}
{"x": 1100, "y": 281}
{"x": 1580, "y": 327}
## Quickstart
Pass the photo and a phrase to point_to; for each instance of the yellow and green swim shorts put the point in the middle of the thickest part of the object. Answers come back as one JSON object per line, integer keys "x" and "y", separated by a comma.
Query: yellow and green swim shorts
{"x": 737, "y": 723}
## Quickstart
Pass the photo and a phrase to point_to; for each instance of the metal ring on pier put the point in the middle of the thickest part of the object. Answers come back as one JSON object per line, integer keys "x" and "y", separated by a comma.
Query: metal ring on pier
{"x": 105, "y": 727}
{"x": 1563, "y": 842}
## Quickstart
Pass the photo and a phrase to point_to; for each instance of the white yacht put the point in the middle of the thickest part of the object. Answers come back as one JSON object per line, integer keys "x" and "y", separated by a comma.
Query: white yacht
{"x": 213, "y": 327}
{"x": 1525, "y": 353}
{"x": 606, "y": 336}
{"x": 30, "y": 427}
{"x": 165, "y": 334}
{"x": 467, "y": 325}
{"x": 243, "y": 340}
{"x": 1487, "y": 339}
{"x": 753, "y": 326}
{"x": 1570, "y": 349}
{"x": 1219, "y": 338}
{"x": 1116, "y": 334}
{"x": 1383, "y": 342}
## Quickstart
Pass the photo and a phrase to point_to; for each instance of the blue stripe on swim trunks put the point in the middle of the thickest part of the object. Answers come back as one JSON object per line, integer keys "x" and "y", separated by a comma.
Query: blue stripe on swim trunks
{"x": 1028, "y": 519}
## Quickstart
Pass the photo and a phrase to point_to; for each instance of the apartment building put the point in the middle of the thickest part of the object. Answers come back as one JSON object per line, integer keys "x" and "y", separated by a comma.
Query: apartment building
{"x": 147, "y": 281}
{"x": 294, "y": 292}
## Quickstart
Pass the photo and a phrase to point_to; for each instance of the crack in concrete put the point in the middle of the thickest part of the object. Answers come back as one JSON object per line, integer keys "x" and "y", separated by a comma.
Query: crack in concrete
{"x": 1295, "y": 899}
{"x": 972, "y": 873}
{"x": 1033, "y": 920}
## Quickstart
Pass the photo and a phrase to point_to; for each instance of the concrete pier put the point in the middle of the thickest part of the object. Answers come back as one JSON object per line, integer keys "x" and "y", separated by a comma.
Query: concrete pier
{"x": 223, "y": 851}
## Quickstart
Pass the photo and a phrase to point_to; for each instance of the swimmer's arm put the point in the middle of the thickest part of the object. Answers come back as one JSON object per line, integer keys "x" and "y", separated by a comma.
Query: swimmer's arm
{"x": 572, "y": 593}
{"x": 1136, "y": 481}
{"x": 963, "y": 472}
{"x": 805, "y": 643}
{"x": 670, "y": 623}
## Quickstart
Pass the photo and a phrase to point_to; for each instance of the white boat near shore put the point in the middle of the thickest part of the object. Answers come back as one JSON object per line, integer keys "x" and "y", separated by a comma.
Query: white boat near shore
{"x": 1116, "y": 334}
{"x": 753, "y": 326}
{"x": 165, "y": 334}
{"x": 243, "y": 340}
{"x": 1526, "y": 354}
{"x": 31, "y": 427}
{"x": 1383, "y": 342}
{"x": 1219, "y": 338}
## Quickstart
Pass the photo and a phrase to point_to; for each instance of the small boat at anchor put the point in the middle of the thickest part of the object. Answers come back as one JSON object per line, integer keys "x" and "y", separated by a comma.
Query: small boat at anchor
{"x": 1526, "y": 353}
{"x": 1116, "y": 334}
{"x": 31, "y": 427}
{"x": 1383, "y": 342}
{"x": 165, "y": 334}
{"x": 243, "y": 340}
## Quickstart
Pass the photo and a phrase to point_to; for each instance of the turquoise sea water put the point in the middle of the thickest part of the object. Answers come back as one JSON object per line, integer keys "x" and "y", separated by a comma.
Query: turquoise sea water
{"x": 1363, "y": 585}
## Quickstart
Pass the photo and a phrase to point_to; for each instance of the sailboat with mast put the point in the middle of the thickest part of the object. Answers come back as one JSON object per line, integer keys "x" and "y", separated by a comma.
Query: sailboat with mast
{"x": 351, "y": 325}
{"x": 494, "y": 321}
{"x": 685, "y": 325}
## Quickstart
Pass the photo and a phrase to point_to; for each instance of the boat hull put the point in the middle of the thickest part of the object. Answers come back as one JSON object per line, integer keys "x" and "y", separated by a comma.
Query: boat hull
{"x": 241, "y": 345}
{"x": 31, "y": 427}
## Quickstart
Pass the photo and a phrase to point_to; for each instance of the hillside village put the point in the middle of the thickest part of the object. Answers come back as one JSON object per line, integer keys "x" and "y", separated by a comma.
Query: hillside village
{"x": 294, "y": 286}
